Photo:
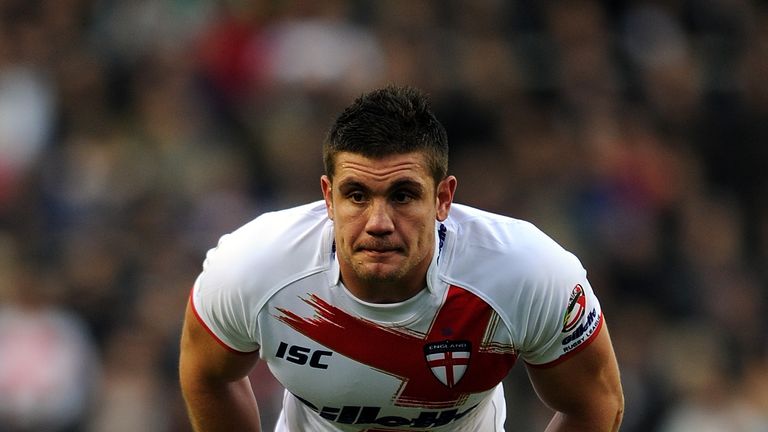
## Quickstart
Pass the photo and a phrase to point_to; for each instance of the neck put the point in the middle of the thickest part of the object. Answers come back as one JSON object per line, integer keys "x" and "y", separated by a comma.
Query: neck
{"x": 382, "y": 293}
{"x": 385, "y": 290}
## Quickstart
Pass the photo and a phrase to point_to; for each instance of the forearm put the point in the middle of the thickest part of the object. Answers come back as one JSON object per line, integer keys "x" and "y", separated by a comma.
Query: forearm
{"x": 600, "y": 422}
{"x": 225, "y": 407}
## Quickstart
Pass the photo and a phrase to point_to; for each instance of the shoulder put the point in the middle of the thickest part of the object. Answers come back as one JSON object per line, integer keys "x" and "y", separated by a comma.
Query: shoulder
{"x": 252, "y": 263}
{"x": 527, "y": 278}
{"x": 509, "y": 262}
{"x": 504, "y": 246}
{"x": 273, "y": 247}
{"x": 276, "y": 224}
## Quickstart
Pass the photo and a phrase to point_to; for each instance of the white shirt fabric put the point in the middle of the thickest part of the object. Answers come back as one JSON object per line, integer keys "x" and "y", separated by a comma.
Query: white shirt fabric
{"x": 497, "y": 289}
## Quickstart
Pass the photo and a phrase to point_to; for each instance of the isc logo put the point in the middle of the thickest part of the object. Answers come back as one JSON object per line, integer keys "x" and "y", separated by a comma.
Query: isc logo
{"x": 302, "y": 355}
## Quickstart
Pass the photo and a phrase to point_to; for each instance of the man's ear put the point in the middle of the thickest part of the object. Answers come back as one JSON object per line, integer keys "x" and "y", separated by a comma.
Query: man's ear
{"x": 445, "y": 191}
{"x": 325, "y": 186}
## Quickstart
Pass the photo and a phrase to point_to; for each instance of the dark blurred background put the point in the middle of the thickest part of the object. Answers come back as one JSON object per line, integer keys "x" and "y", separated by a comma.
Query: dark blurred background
{"x": 134, "y": 133}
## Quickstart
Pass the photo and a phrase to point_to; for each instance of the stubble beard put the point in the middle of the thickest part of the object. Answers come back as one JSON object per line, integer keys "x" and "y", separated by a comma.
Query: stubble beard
{"x": 373, "y": 273}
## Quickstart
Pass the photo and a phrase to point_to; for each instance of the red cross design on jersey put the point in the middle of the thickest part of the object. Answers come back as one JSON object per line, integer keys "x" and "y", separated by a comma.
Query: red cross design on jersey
{"x": 463, "y": 358}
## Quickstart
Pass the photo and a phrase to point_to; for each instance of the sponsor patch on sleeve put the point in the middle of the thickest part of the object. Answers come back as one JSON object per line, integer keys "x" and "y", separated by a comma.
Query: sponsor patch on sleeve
{"x": 579, "y": 321}
{"x": 577, "y": 306}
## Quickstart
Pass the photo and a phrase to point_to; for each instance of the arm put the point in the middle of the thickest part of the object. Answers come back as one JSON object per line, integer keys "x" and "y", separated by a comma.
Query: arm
{"x": 214, "y": 381}
{"x": 585, "y": 390}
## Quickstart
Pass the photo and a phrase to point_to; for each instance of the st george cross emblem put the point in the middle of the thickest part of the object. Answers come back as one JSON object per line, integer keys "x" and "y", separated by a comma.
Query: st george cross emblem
{"x": 448, "y": 360}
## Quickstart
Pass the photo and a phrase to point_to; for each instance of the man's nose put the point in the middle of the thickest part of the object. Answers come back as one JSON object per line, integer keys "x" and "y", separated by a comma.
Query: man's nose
{"x": 379, "y": 219}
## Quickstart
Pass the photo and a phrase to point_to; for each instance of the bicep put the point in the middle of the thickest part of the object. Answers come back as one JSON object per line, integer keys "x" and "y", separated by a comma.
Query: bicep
{"x": 586, "y": 386}
{"x": 214, "y": 381}
{"x": 204, "y": 357}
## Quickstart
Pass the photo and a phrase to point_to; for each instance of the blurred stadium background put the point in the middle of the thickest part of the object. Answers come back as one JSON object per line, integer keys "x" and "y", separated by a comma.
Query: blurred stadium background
{"x": 134, "y": 133}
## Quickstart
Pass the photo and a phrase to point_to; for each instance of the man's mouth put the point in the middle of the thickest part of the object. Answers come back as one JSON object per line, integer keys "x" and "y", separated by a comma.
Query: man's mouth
{"x": 378, "y": 250}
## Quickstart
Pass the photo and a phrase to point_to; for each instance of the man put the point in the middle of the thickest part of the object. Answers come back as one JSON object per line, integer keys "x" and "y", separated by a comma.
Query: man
{"x": 385, "y": 307}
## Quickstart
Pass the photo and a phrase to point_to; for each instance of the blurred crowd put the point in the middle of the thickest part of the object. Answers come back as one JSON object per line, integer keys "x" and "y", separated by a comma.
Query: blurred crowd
{"x": 134, "y": 133}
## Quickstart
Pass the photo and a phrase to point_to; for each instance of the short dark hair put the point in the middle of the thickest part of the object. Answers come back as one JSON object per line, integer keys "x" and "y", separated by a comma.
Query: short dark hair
{"x": 387, "y": 121}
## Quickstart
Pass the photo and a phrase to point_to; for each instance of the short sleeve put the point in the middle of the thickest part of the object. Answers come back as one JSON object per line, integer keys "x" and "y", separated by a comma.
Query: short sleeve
{"x": 221, "y": 299}
{"x": 565, "y": 314}
{"x": 572, "y": 328}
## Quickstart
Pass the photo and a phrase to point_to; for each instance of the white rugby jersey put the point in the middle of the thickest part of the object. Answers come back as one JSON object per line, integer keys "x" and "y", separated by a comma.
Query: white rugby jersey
{"x": 497, "y": 289}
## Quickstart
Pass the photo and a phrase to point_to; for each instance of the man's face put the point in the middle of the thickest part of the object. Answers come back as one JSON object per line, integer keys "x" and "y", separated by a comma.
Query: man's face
{"x": 384, "y": 213}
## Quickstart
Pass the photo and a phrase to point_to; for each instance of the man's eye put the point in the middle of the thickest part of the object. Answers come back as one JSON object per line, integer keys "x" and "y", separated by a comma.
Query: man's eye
{"x": 357, "y": 197}
{"x": 402, "y": 197}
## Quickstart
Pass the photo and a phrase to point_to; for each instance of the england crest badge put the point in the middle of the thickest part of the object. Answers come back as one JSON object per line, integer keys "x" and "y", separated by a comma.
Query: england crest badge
{"x": 448, "y": 360}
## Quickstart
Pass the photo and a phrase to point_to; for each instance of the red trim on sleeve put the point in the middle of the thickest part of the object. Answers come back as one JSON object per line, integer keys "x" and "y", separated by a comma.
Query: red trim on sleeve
{"x": 210, "y": 332}
{"x": 569, "y": 354}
